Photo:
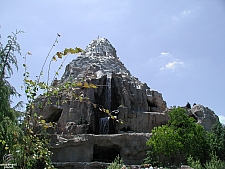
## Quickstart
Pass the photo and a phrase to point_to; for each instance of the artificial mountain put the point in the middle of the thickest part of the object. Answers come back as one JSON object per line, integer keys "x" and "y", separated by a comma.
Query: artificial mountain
{"x": 86, "y": 133}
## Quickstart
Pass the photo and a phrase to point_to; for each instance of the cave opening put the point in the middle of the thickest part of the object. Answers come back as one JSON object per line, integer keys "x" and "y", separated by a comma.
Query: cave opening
{"x": 151, "y": 106}
{"x": 54, "y": 117}
{"x": 105, "y": 154}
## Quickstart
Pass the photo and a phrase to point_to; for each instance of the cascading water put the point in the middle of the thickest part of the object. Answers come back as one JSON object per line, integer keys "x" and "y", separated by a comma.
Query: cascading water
{"x": 104, "y": 125}
{"x": 104, "y": 122}
{"x": 108, "y": 91}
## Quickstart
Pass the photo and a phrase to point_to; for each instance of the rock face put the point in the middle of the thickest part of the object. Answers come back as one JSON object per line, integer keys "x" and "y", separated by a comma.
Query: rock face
{"x": 87, "y": 148}
{"x": 132, "y": 101}
{"x": 137, "y": 110}
{"x": 98, "y": 59}
{"x": 85, "y": 132}
{"x": 204, "y": 116}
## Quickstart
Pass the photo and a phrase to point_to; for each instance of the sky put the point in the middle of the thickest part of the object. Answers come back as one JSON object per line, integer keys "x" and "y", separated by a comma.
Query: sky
{"x": 176, "y": 47}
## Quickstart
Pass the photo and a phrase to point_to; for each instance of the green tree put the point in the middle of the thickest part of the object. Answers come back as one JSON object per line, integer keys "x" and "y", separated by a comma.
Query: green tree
{"x": 30, "y": 149}
{"x": 181, "y": 137}
{"x": 10, "y": 133}
{"x": 165, "y": 140}
{"x": 193, "y": 136}
{"x": 216, "y": 138}
{"x": 7, "y": 61}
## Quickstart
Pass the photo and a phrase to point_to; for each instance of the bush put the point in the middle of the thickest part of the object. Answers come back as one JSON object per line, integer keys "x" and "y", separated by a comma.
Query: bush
{"x": 117, "y": 164}
{"x": 215, "y": 163}
{"x": 194, "y": 163}
{"x": 152, "y": 158}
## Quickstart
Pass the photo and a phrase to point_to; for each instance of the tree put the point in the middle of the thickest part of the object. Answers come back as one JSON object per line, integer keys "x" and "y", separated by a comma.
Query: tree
{"x": 7, "y": 60}
{"x": 10, "y": 133}
{"x": 216, "y": 138}
{"x": 181, "y": 137}
{"x": 165, "y": 140}
{"x": 29, "y": 149}
{"x": 193, "y": 136}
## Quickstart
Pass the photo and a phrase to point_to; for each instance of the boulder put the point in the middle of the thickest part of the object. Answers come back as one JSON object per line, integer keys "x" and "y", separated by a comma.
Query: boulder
{"x": 204, "y": 116}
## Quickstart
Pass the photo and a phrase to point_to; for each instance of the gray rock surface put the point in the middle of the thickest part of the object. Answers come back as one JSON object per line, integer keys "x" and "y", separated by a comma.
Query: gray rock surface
{"x": 131, "y": 146}
{"x": 205, "y": 116}
{"x": 117, "y": 88}
{"x": 85, "y": 133}
{"x": 98, "y": 59}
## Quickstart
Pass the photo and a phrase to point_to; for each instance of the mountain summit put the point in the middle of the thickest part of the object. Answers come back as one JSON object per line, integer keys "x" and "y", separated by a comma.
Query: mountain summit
{"x": 100, "y": 46}
{"x": 98, "y": 59}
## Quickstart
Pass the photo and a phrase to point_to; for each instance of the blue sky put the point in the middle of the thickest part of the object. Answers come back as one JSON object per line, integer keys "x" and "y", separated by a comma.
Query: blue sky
{"x": 176, "y": 47}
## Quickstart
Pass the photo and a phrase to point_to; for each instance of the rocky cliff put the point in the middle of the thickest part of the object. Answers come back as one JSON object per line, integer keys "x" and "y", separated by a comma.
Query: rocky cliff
{"x": 127, "y": 98}
{"x": 85, "y": 131}
{"x": 204, "y": 116}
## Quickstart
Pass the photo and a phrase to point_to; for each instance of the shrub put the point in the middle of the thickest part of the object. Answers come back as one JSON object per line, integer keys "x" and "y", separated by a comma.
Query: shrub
{"x": 116, "y": 164}
{"x": 215, "y": 163}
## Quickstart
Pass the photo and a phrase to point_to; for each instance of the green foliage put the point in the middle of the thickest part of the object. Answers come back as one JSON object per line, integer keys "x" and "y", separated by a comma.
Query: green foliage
{"x": 10, "y": 132}
{"x": 116, "y": 164}
{"x": 216, "y": 139}
{"x": 152, "y": 158}
{"x": 181, "y": 137}
{"x": 165, "y": 140}
{"x": 35, "y": 147}
{"x": 213, "y": 163}
{"x": 28, "y": 146}
{"x": 8, "y": 58}
{"x": 194, "y": 163}
{"x": 10, "y": 135}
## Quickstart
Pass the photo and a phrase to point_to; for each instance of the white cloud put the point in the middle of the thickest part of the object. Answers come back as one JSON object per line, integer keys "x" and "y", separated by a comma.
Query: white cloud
{"x": 166, "y": 62}
{"x": 165, "y": 53}
{"x": 181, "y": 15}
{"x": 222, "y": 119}
{"x": 185, "y": 13}
{"x": 172, "y": 65}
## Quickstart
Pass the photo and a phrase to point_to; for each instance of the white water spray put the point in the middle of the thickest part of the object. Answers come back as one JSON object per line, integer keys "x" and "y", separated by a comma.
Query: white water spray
{"x": 109, "y": 90}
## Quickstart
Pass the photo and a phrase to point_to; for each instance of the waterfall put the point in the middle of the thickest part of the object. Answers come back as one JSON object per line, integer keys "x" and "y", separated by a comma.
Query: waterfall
{"x": 108, "y": 91}
{"x": 104, "y": 125}
{"x": 104, "y": 122}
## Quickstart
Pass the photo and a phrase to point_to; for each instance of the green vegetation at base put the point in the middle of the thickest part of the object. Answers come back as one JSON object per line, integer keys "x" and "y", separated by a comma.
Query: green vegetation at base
{"x": 183, "y": 141}
{"x": 10, "y": 132}
{"x": 116, "y": 164}
{"x": 27, "y": 141}
{"x": 28, "y": 147}
{"x": 213, "y": 163}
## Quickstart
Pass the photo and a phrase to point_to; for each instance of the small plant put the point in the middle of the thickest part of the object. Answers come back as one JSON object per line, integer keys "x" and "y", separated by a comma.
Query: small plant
{"x": 194, "y": 163}
{"x": 117, "y": 163}
{"x": 152, "y": 158}
{"x": 215, "y": 163}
